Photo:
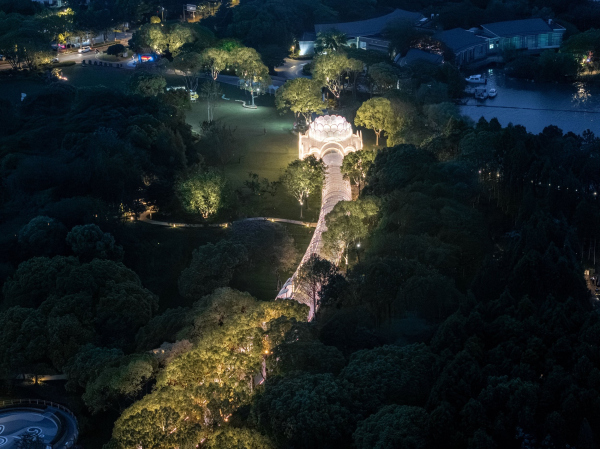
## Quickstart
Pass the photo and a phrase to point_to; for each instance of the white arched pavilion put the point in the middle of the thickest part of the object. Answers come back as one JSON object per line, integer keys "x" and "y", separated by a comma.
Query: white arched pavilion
{"x": 327, "y": 134}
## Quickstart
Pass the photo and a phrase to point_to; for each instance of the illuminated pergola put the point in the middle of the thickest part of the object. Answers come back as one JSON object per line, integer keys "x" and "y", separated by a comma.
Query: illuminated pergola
{"x": 329, "y": 138}
{"x": 327, "y": 134}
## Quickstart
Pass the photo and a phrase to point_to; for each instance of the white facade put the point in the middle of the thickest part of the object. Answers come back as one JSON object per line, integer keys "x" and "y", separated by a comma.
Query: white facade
{"x": 327, "y": 134}
{"x": 57, "y": 3}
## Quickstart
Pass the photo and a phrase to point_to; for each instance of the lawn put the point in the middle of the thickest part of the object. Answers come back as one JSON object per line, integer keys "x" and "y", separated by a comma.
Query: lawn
{"x": 159, "y": 255}
{"x": 266, "y": 146}
{"x": 264, "y": 135}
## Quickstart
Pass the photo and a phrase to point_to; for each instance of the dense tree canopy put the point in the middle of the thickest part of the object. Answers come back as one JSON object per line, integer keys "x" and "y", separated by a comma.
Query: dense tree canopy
{"x": 302, "y": 96}
{"x": 303, "y": 178}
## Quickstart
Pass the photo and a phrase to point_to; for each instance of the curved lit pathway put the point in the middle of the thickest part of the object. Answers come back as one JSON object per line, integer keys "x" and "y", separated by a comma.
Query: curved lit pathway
{"x": 335, "y": 189}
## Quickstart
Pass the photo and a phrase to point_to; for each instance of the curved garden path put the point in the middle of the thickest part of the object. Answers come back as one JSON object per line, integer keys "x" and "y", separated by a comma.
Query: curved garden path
{"x": 146, "y": 218}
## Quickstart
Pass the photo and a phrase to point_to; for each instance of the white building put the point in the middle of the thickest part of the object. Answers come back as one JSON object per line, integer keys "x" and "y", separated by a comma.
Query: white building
{"x": 327, "y": 134}
{"x": 57, "y": 3}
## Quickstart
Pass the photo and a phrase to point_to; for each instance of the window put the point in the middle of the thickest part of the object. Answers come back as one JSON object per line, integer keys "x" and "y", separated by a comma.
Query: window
{"x": 491, "y": 45}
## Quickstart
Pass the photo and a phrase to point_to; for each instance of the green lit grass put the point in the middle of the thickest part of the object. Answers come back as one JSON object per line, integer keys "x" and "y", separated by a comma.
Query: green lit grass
{"x": 266, "y": 146}
{"x": 166, "y": 252}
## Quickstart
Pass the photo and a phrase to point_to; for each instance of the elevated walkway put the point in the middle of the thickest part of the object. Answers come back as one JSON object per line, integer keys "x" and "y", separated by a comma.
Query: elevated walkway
{"x": 335, "y": 189}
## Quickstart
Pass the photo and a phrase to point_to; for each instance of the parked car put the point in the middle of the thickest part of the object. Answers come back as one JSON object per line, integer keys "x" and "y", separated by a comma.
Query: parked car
{"x": 84, "y": 49}
{"x": 54, "y": 60}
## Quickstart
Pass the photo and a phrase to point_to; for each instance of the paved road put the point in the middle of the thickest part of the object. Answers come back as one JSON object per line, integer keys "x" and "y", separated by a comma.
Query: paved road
{"x": 73, "y": 55}
{"x": 291, "y": 69}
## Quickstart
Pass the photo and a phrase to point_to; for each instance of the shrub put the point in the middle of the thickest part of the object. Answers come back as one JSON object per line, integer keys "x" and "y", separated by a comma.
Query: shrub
{"x": 115, "y": 50}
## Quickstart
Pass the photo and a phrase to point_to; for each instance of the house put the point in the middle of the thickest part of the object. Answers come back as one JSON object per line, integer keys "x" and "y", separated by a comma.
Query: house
{"x": 364, "y": 34}
{"x": 467, "y": 46}
{"x": 479, "y": 46}
{"x": 533, "y": 35}
{"x": 415, "y": 55}
{"x": 58, "y": 3}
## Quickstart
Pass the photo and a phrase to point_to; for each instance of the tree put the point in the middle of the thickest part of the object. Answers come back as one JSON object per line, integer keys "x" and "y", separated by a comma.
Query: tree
{"x": 355, "y": 67}
{"x": 25, "y": 48}
{"x": 390, "y": 375}
{"x": 394, "y": 427}
{"x": 212, "y": 266}
{"x": 58, "y": 26}
{"x": 162, "y": 328}
{"x": 308, "y": 356}
{"x": 42, "y": 236}
{"x": 585, "y": 46}
{"x": 154, "y": 19}
{"x": 384, "y": 76}
{"x": 115, "y": 50}
{"x": 87, "y": 364}
{"x": 122, "y": 380}
{"x": 146, "y": 84}
{"x": 216, "y": 60}
{"x": 328, "y": 70}
{"x": 89, "y": 242}
{"x": 402, "y": 35}
{"x": 330, "y": 41}
{"x": 210, "y": 91}
{"x": 190, "y": 66}
{"x": 219, "y": 309}
{"x": 348, "y": 223}
{"x": 235, "y": 438}
{"x": 202, "y": 192}
{"x": 431, "y": 93}
{"x": 267, "y": 242}
{"x": 356, "y": 165}
{"x": 171, "y": 36}
{"x": 313, "y": 275}
{"x": 35, "y": 280}
{"x": 439, "y": 114}
{"x": 303, "y": 177}
{"x": 302, "y": 96}
{"x": 23, "y": 342}
{"x": 378, "y": 115}
{"x": 306, "y": 411}
{"x": 253, "y": 74}
{"x": 219, "y": 144}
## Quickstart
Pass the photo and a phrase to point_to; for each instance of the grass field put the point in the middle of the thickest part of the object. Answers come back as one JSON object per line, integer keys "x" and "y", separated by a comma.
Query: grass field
{"x": 266, "y": 146}
{"x": 166, "y": 252}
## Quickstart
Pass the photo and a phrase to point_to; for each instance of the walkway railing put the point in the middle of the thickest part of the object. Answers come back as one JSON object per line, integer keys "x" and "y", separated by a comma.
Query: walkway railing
{"x": 145, "y": 218}
{"x": 62, "y": 408}
{"x": 335, "y": 189}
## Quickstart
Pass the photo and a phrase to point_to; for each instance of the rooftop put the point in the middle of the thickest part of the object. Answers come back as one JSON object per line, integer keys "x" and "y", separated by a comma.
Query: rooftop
{"x": 370, "y": 27}
{"x": 517, "y": 27}
{"x": 458, "y": 39}
{"x": 414, "y": 54}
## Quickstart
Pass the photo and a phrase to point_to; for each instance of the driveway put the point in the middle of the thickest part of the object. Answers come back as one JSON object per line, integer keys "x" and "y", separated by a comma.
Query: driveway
{"x": 292, "y": 69}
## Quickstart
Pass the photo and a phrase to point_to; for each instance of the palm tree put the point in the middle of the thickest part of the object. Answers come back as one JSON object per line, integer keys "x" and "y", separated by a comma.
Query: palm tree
{"x": 331, "y": 40}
